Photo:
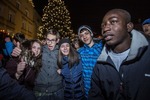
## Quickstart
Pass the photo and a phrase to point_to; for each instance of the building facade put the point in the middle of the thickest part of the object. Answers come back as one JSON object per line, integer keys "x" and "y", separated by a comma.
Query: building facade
{"x": 19, "y": 16}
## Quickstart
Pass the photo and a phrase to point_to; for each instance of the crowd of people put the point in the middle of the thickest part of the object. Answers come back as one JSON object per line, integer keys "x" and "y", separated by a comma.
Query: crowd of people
{"x": 115, "y": 67}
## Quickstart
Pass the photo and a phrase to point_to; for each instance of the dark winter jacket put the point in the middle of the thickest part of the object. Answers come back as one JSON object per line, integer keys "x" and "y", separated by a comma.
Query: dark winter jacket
{"x": 8, "y": 48}
{"x": 73, "y": 83}
{"x": 28, "y": 76}
{"x": 132, "y": 82}
{"x": 11, "y": 90}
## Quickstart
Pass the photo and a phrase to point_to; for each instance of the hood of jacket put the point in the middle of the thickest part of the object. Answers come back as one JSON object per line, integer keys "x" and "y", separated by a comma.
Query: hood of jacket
{"x": 138, "y": 41}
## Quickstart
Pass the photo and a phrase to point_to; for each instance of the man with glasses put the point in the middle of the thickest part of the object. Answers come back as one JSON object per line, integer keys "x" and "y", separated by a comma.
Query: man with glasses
{"x": 48, "y": 85}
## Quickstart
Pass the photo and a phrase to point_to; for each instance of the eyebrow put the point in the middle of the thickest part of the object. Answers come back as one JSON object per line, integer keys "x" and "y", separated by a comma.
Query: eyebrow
{"x": 112, "y": 17}
{"x": 85, "y": 31}
{"x": 50, "y": 39}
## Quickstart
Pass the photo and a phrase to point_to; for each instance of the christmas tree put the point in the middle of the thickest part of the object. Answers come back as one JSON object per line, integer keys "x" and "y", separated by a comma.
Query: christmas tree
{"x": 56, "y": 16}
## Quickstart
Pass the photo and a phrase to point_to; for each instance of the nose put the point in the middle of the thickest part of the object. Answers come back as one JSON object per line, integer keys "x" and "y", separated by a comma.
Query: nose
{"x": 84, "y": 36}
{"x": 36, "y": 50}
{"x": 65, "y": 47}
{"x": 106, "y": 27}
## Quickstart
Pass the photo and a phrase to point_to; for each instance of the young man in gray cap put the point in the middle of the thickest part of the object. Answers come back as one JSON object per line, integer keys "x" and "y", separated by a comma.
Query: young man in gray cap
{"x": 146, "y": 27}
{"x": 89, "y": 54}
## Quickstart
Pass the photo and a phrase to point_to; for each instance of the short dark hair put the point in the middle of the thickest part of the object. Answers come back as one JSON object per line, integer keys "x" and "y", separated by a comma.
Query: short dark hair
{"x": 53, "y": 32}
{"x": 19, "y": 37}
{"x": 126, "y": 14}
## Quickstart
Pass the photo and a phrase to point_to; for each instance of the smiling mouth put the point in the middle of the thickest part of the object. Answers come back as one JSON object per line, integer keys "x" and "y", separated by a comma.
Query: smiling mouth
{"x": 65, "y": 51}
{"x": 85, "y": 40}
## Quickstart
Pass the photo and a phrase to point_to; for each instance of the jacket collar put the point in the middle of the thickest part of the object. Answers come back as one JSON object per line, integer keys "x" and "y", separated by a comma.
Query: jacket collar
{"x": 138, "y": 41}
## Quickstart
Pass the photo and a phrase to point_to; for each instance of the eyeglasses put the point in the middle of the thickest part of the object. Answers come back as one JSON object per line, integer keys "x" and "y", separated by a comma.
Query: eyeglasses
{"x": 50, "y": 41}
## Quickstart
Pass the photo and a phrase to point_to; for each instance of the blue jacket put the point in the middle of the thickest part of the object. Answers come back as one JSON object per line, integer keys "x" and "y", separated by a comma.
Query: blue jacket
{"x": 89, "y": 57}
{"x": 11, "y": 90}
{"x": 131, "y": 82}
{"x": 8, "y": 48}
{"x": 73, "y": 84}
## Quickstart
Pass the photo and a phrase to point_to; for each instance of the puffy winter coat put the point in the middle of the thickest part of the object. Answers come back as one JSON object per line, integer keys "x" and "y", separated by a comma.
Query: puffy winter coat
{"x": 73, "y": 84}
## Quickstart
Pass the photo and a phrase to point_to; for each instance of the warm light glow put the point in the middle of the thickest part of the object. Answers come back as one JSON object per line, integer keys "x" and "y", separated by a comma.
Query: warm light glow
{"x": 56, "y": 16}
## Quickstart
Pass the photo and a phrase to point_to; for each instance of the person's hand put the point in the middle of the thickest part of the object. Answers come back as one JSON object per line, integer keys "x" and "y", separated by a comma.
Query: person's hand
{"x": 59, "y": 71}
{"x": 16, "y": 51}
{"x": 20, "y": 68}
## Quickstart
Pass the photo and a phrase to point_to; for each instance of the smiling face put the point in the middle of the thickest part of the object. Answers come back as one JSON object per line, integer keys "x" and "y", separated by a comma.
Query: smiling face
{"x": 36, "y": 49}
{"x": 86, "y": 38}
{"x": 65, "y": 49}
{"x": 116, "y": 28}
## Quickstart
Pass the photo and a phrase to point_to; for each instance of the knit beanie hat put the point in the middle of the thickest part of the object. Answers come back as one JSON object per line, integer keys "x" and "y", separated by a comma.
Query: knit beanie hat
{"x": 147, "y": 21}
{"x": 65, "y": 40}
{"x": 85, "y": 27}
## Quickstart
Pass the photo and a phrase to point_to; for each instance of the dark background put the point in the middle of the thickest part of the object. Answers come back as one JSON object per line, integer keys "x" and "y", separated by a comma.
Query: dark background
{"x": 91, "y": 12}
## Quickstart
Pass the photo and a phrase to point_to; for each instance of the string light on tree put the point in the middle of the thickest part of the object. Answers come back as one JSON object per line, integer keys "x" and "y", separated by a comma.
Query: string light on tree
{"x": 56, "y": 16}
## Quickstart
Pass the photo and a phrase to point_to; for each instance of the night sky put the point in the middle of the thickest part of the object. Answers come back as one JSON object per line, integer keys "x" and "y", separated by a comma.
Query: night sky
{"x": 91, "y": 12}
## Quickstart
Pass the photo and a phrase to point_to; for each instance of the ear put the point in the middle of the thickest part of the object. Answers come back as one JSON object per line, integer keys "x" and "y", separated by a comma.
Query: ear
{"x": 92, "y": 34}
{"x": 130, "y": 26}
{"x": 57, "y": 41}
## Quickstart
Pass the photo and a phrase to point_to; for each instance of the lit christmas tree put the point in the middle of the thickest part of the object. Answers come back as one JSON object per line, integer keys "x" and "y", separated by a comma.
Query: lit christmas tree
{"x": 56, "y": 16}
